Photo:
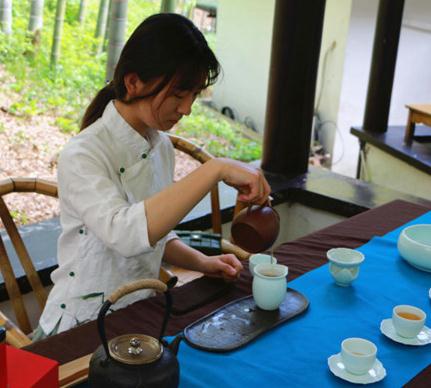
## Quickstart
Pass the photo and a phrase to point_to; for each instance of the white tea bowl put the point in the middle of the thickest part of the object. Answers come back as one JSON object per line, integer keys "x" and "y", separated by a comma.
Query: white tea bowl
{"x": 408, "y": 320}
{"x": 259, "y": 258}
{"x": 414, "y": 245}
{"x": 358, "y": 355}
{"x": 269, "y": 285}
{"x": 344, "y": 265}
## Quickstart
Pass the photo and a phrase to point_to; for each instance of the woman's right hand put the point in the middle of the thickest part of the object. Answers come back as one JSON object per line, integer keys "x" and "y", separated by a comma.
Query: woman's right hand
{"x": 248, "y": 180}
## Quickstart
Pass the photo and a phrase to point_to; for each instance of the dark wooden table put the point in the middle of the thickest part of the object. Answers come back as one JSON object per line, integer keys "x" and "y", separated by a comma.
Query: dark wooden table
{"x": 204, "y": 295}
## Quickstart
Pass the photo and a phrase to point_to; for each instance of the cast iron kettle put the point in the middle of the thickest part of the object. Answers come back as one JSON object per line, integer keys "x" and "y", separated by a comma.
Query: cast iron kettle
{"x": 256, "y": 228}
{"x": 135, "y": 360}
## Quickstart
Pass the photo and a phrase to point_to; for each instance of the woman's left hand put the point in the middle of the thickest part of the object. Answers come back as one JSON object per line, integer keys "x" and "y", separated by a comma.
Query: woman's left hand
{"x": 222, "y": 266}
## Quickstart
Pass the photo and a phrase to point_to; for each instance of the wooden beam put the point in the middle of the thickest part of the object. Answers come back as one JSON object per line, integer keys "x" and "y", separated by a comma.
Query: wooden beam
{"x": 74, "y": 371}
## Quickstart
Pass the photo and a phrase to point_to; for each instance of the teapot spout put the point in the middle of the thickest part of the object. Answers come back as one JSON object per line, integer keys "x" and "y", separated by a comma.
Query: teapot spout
{"x": 175, "y": 344}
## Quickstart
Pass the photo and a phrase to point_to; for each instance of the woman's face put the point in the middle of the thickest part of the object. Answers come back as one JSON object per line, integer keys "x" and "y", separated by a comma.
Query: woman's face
{"x": 163, "y": 110}
{"x": 169, "y": 106}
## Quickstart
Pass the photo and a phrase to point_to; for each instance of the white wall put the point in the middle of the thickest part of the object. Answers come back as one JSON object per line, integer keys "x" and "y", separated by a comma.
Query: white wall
{"x": 331, "y": 63}
{"x": 244, "y": 34}
{"x": 412, "y": 81}
{"x": 379, "y": 167}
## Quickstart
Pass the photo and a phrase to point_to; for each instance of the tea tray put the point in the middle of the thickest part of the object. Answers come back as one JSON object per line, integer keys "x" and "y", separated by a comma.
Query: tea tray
{"x": 240, "y": 322}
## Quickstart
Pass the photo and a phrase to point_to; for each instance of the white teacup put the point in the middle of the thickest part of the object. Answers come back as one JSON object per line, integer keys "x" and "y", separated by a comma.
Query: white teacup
{"x": 358, "y": 355}
{"x": 344, "y": 265}
{"x": 259, "y": 258}
{"x": 269, "y": 285}
{"x": 408, "y": 320}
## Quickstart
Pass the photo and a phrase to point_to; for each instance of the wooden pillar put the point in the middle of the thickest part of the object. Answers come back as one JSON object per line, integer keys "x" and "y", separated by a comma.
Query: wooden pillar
{"x": 295, "y": 53}
{"x": 383, "y": 62}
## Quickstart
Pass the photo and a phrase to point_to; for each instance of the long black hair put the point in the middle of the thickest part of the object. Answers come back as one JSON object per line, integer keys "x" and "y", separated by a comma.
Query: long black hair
{"x": 163, "y": 47}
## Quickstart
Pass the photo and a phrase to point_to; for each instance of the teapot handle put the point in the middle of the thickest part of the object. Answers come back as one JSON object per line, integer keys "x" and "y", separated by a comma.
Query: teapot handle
{"x": 266, "y": 203}
{"x": 127, "y": 289}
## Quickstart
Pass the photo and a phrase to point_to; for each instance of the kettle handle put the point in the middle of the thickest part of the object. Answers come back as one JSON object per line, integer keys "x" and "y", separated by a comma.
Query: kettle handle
{"x": 140, "y": 284}
{"x": 127, "y": 289}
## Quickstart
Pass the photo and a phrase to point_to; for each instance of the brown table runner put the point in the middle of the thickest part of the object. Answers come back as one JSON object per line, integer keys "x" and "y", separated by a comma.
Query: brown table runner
{"x": 301, "y": 255}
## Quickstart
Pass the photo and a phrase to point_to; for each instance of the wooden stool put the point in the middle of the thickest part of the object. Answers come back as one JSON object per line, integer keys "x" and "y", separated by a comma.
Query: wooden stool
{"x": 418, "y": 113}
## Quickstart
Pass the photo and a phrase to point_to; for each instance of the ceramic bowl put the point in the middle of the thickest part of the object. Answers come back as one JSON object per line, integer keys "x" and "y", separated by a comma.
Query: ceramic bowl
{"x": 344, "y": 265}
{"x": 414, "y": 245}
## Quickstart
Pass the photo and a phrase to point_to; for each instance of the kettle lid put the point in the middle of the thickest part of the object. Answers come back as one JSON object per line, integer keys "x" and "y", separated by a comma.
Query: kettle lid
{"x": 135, "y": 349}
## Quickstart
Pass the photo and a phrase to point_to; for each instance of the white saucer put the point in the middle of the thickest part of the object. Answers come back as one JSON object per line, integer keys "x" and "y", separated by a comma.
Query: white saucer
{"x": 376, "y": 373}
{"x": 423, "y": 338}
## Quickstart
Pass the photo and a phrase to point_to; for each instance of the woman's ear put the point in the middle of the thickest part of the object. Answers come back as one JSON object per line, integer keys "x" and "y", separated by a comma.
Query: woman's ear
{"x": 134, "y": 85}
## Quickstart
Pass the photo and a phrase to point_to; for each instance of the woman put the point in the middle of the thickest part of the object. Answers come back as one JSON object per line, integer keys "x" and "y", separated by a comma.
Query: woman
{"x": 118, "y": 204}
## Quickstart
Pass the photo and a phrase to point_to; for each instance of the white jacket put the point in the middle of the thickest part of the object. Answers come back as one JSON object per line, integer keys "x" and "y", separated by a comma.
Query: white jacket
{"x": 104, "y": 174}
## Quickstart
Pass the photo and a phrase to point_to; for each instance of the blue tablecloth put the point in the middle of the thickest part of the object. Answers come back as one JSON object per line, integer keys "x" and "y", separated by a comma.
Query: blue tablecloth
{"x": 295, "y": 353}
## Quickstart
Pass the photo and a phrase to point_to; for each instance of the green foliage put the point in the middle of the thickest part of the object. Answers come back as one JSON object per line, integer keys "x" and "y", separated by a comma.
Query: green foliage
{"x": 20, "y": 137}
{"x": 67, "y": 125}
{"x": 79, "y": 75}
{"x": 19, "y": 216}
{"x": 221, "y": 137}
{"x": 65, "y": 92}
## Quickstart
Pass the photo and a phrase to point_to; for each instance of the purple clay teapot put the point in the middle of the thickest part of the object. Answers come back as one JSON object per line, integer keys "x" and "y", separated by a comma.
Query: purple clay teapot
{"x": 135, "y": 360}
{"x": 256, "y": 228}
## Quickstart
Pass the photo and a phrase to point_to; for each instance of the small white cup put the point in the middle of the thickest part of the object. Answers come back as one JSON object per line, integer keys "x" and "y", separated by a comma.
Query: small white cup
{"x": 358, "y": 355}
{"x": 259, "y": 258}
{"x": 344, "y": 265}
{"x": 408, "y": 320}
{"x": 269, "y": 285}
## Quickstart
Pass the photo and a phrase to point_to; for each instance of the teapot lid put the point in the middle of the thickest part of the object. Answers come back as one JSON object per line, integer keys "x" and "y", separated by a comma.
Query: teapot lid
{"x": 135, "y": 349}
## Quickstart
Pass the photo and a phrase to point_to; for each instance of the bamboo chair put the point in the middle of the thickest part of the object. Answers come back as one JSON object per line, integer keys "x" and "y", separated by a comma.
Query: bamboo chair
{"x": 203, "y": 156}
{"x": 16, "y": 334}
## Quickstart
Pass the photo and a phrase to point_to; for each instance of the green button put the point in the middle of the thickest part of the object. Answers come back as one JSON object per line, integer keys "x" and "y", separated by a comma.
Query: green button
{"x": 144, "y": 156}
{"x": 63, "y": 306}
{"x": 81, "y": 231}
{"x": 72, "y": 273}
{"x": 122, "y": 169}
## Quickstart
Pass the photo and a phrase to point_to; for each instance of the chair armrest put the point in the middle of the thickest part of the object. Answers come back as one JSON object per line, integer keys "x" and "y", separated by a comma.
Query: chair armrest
{"x": 14, "y": 336}
{"x": 165, "y": 275}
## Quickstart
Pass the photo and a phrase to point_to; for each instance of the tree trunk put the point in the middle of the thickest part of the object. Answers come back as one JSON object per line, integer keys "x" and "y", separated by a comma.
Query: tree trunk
{"x": 117, "y": 32}
{"x": 167, "y": 6}
{"x": 108, "y": 22}
{"x": 189, "y": 7}
{"x": 82, "y": 8}
{"x": 36, "y": 15}
{"x": 102, "y": 18}
{"x": 6, "y": 16}
{"x": 58, "y": 29}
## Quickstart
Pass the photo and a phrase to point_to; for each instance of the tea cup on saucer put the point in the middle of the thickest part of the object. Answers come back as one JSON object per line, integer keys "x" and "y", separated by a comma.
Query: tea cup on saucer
{"x": 259, "y": 258}
{"x": 408, "y": 320}
{"x": 358, "y": 355}
{"x": 344, "y": 265}
{"x": 423, "y": 338}
{"x": 269, "y": 285}
{"x": 374, "y": 374}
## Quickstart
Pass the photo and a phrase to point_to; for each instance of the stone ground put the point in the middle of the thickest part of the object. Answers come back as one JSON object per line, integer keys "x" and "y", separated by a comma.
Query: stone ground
{"x": 29, "y": 148}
